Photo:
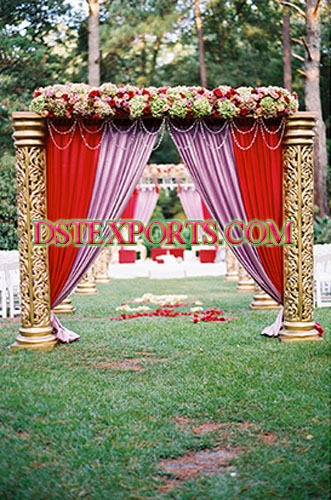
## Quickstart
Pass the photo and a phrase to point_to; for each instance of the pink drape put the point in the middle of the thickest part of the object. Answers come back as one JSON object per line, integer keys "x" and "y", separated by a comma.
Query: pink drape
{"x": 145, "y": 204}
{"x": 191, "y": 202}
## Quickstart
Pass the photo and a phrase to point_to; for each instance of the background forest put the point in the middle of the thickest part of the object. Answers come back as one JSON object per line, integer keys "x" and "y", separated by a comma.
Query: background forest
{"x": 150, "y": 42}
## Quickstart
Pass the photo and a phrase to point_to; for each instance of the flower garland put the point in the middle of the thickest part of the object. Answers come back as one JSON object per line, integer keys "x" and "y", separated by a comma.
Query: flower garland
{"x": 74, "y": 100}
{"x": 165, "y": 171}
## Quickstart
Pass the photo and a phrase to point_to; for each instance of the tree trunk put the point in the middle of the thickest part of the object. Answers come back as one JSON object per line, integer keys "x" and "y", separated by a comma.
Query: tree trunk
{"x": 202, "y": 63}
{"x": 93, "y": 44}
{"x": 156, "y": 48}
{"x": 287, "y": 66}
{"x": 313, "y": 103}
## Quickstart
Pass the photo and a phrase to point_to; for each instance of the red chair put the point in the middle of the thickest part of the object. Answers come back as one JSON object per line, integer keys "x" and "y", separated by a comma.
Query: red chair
{"x": 207, "y": 256}
{"x": 177, "y": 252}
{"x": 155, "y": 252}
{"x": 126, "y": 256}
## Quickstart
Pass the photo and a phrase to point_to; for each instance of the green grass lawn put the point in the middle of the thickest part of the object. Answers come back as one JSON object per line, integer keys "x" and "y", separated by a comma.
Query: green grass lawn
{"x": 70, "y": 429}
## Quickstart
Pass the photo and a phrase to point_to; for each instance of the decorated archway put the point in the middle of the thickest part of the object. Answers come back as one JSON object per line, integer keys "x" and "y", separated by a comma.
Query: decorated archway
{"x": 81, "y": 152}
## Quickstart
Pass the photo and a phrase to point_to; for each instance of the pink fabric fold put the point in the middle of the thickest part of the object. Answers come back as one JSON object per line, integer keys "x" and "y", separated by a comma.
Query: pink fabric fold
{"x": 62, "y": 333}
{"x": 276, "y": 327}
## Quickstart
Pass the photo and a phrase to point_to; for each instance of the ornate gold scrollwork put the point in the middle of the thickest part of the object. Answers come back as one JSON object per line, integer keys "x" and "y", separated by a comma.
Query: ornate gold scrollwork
{"x": 36, "y": 330}
{"x": 298, "y": 192}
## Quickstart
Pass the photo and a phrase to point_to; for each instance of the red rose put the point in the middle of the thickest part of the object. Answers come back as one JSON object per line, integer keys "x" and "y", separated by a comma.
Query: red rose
{"x": 254, "y": 91}
{"x": 216, "y": 113}
{"x": 145, "y": 92}
{"x": 218, "y": 92}
{"x": 93, "y": 93}
{"x": 287, "y": 99}
{"x": 278, "y": 93}
{"x": 111, "y": 103}
{"x": 182, "y": 95}
{"x": 130, "y": 94}
{"x": 201, "y": 91}
{"x": 65, "y": 97}
{"x": 96, "y": 116}
{"x": 243, "y": 111}
{"x": 36, "y": 93}
{"x": 51, "y": 114}
{"x": 319, "y": 329}
{"x": 147, "y": 110}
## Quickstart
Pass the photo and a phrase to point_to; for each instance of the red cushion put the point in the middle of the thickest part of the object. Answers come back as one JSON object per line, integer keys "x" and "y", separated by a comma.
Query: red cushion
{"x": 208, "y": 255}
{"x": 126, "y": 256}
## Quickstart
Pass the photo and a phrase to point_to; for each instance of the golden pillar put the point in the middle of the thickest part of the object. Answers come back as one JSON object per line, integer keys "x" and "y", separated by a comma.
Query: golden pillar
{"x": 29, "y": 139}
{"x": 101, "y": 267}
{"x": 245, "y": 282}
{"x": 298, "y": 192}
{"x": 86, "y": 286}
{"x": 65, "y": 307}
{"x": 232, "y": 265}
{"x": 262, "y": 300}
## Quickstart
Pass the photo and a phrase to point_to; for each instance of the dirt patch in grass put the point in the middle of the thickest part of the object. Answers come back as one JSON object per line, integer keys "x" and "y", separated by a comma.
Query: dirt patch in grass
{"x": 208, "y": 427}
{"x": 269, "y": 438}
{"x": 128, "y": 364}
{"x": 211, "y": 462}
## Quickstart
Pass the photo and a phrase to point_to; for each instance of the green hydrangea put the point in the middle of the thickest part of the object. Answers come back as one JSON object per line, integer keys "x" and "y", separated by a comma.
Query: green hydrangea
{"x": 157, "y": 105}
{"x": 269, "y": 106}
{"x": 38, "y": 104}
{"x": 227, "y": 109}
{"x": 137, "y": 105}
{"x": 201, "y": 107}
{"x": 108, "y": 89}
{"x": 178, "y": 109}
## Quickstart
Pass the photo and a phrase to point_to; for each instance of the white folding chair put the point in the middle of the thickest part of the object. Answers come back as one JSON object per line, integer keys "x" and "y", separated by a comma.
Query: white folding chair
{"x": 3, "y": 292}
{"x": 322, "y": 277}
{"x": 13, "y": 286}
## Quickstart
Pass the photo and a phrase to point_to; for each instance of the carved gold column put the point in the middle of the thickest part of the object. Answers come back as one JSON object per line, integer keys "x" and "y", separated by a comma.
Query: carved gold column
{"x": 86, "y": 286}
{"x": 232, "y": 265}
{"x": 262, "y": 300}
{"x": 65, "y": 307}
{"x": 29, "y": 138}
{"x": 298, "y": 192}
{"x": 245, "y": 283}
{"x": 101, "y": 267}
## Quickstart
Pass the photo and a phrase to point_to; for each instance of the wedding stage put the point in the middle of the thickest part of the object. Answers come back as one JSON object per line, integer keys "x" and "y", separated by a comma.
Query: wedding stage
{"x": 153, "y": 270}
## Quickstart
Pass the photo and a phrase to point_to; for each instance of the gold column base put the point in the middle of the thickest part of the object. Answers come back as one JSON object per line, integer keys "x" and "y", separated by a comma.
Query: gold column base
{"x": 263, "y": 301}
{"x": 86, "y": 289}
{"x": 65, "y": 307}
{"x": 38, "y": 338}
{"x": 102, "y": 279}
{"x": 245, "y": 286}
{"x": 299, "y": 332}
{"x": 231, "y": 277}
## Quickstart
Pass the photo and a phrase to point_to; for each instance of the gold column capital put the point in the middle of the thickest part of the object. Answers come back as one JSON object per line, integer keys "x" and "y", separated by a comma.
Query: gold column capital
{"x": 29, "y": 129}
{"x": 299, "y": 129}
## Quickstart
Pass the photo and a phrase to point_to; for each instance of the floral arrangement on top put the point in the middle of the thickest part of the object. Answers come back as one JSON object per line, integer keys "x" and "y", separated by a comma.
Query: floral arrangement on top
{"x": 165, "y": 171}
{"x": 75, "y": 100}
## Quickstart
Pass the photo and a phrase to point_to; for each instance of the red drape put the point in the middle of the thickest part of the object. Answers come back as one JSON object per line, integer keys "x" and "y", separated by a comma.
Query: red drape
{"x": 129, "y": 211}
{"x": 260, "y": 178}
{"x": 70, "y": 179}
{"x": 205, "y": 211}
